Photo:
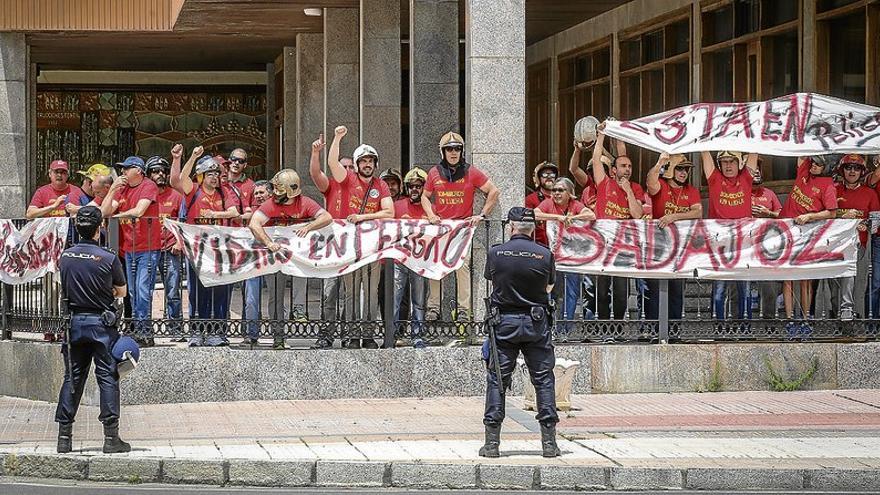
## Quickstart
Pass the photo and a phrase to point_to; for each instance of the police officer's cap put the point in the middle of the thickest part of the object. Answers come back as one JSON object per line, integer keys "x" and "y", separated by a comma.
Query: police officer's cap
{"x": 88, "y": 216}
{"x": 520, "y": 214}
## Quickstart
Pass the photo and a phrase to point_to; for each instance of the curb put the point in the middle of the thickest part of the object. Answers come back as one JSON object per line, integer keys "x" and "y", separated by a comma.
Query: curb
{"x": 428, "y": 475}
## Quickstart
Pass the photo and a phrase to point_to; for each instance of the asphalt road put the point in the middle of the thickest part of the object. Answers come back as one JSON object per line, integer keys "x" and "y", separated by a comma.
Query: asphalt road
{"x": 10, "y": 486}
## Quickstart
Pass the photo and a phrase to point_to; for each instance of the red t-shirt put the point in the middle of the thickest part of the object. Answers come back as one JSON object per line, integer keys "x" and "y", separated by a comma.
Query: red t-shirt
{"x": 45, "y": 195}
{"x": 301, "y": 209}
{"x": 766, "y": 198}
{"x": 205, "y": 202}
{"x": 404, "y": 208}
{"x": 809, "y": 194}
{"x": 611, "y": 200}
{"x": 169, "y": 202}
{"x": 354, "y": 189}
{"x": 730, "y": 198}
{"x": 550, "y": 207}
{"x": 669, "y": 200}
{"x": 333, "y": 199}
{"x": 588, "y": 195}
{"x": 144, "y": 233}
{"x": 244, "y": 191}
{"x": 532, "y": 201}
{"x": 862, "y": 200}
{"x": 454, "y": 200}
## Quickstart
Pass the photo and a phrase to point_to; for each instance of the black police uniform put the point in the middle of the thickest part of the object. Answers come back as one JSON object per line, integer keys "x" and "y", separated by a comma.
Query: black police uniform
{"x": 88, "y": 275}
{"x": 520, "y": 271}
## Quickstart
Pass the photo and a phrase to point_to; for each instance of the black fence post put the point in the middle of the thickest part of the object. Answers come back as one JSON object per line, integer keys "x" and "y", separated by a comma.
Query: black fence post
{"x": 663, "y": 314}
{"x": 6, "y": 300}
{"x": 388, "y": 310}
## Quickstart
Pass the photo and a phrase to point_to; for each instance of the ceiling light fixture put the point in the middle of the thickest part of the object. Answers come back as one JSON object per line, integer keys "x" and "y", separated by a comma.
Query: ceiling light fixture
{"x": 313, "y": 12}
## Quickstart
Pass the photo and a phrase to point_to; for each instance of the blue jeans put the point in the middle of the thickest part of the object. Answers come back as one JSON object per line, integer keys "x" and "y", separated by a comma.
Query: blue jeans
{"x": 418, "y": 294}
{"x": 207, "y": 302}
{"x": 253, "y": 289}
{"x": 675, "y": 302}
{"x": 872, "y": 304}
{"x": 170, "y": 266}
{"x": 719, "y": 298}
{"x": 141, "y": 278}
{"x": 571, "y": 293}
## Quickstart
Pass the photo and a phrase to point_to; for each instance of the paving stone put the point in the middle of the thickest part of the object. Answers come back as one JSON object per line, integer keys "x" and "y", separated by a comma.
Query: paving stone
{"x": 645, "y": 478}
{"x": 353, "y": 473}
{"x": 271, "y": 473}
{"x": 862, "y": 480}
{"x": 131, "y": 470}
{"x": 420, "y": 475}
{"x": 572, "y": 478}
{"x": 744, "y": 479}
{"x": 46, "y": 466}
{"x": 193, "y": 471}
{"x": 501, "y": 476}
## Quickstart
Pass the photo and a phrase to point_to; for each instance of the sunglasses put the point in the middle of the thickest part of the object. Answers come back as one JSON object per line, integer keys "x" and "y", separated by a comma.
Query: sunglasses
{"x": 454, "y": 148}
{"x": 213, "y": 173}
{"x": 416, "y": 186}
{"x": 559, "y": 190}
{"x": 853, "y": 166}
{"x": 237, "y": 159}
{"x": 548, "y": 175}
{"x": 159, "y": 171}
{"x": 681, "y": 169}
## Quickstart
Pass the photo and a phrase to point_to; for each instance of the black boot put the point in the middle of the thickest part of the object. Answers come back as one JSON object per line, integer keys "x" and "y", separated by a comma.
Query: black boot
{"x": 112, "y": 443}
{"x": 548, "y": 441}
{"x": 65, "y": 438}
{"x": 493, "y": 439}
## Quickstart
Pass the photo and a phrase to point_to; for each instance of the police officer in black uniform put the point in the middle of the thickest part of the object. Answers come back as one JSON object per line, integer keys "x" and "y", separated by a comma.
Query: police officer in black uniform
{"x": 91, "y": 278}
{"x": 522, "y": 274}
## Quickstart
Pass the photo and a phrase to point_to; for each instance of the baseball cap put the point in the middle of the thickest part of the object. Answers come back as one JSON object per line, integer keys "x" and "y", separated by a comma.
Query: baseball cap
{"x": 95, "y": 171}
{"x": 520, "y": 214}
{"x": 59, "y": 165}
{"x": 132, "y": 161}
{"x": 88, "y": 216}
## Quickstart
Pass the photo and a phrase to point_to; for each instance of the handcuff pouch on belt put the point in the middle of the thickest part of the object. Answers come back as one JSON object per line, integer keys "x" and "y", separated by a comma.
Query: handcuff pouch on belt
{"x": 109, "y": 318}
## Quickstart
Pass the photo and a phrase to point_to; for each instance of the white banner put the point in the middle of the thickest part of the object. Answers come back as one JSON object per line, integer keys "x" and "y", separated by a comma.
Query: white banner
{"x": 795, "y": 125}
{"x": 33, "y": 251}
{"x": 224, "y": 255}
{"x": 747, "y": 249}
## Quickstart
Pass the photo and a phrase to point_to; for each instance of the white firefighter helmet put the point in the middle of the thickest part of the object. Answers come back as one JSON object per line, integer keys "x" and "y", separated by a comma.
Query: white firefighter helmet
{"x": 366, "y": 150}
{"x": 286, "y": 183}
{"x": 451, "y": 139}
{"x": 207, "y": 164}
{"x": 416, "y": 174}
{"x": 585, "y": 131}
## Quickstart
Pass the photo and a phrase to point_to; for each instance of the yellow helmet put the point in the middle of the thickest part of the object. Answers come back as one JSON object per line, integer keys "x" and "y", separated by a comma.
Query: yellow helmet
{"x": 677, "y": 160}
{"x": 286, "y": 183}
{"x": 415, "y": 173}
{"x": 540, "y": 168}
{"x": 451, "y": 139}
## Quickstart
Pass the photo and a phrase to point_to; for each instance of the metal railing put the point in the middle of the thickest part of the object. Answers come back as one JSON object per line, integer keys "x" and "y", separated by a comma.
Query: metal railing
{"x": 362, "y": 306}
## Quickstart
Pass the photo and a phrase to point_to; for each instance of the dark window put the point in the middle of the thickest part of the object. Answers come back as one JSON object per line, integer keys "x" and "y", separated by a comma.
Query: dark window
{"x": 847, "y": 57}
{"x": 630, "y": 54}
{"x": 678, "y": 38}
{"x": 718, "y": 25}
{"x": 746, "y": 17}
{"x": 781, "y": 71}
{"x": 652, "y": 47}
{"x": 776, "y": 12}
{"x": 826, "y": 5}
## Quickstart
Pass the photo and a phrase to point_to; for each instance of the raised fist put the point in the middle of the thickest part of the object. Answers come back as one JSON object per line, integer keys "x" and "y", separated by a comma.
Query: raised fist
{"x": 341, "y": 131}
{"x": 177, "y": 151}
{"x": 198, "y": 151}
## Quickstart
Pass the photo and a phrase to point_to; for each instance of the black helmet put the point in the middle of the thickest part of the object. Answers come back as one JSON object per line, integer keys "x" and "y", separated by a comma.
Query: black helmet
{"x": 155, "y": 162}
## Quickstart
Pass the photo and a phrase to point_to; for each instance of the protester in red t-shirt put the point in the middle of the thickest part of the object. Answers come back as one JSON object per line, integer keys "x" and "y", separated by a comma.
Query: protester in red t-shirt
{"x": 855, "y": 201}
{"x": 544, "y": 176}
{"x": 562, "y": 207}
{"x": 765, "y": 204}
{"x": 132, "y": 199}
{"x": 242, "y": 185}
{"x": 50, "y": 200}
{"x": 617, "y": 198}
{"x": 410, "y": 288}
{"x": 672, "y": 199}
{"x": 730, "y": 198}
{"x": 585, "y": 179}
{"x": 205, "y": 203}
{"x": 449, "y": 195}
{"x": 364, "y": 197}
{"x": 170, "y": 203}
{"x": 813, "y": 198}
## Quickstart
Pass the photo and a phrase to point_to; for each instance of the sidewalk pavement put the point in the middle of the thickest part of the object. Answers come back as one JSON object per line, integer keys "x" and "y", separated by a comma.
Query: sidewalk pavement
{"x": 725, "y": 441}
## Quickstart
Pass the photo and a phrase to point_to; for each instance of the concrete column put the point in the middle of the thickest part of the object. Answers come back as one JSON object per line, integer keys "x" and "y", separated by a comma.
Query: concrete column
{"x": 342, "y": 75}
{"x": 434, "y": 73}
{"x": 697, "y": 68}
{"x": 380, "y": 79}
{"x": 289, "y": 156}
{"x": 15, "y": 158}
{"x": 271, "y": 140}
{"x": 554, "y": 115}
{"x": 496, "y": 95}
{"x": 308, "y": 73}
{"x": 495, "y": 111}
